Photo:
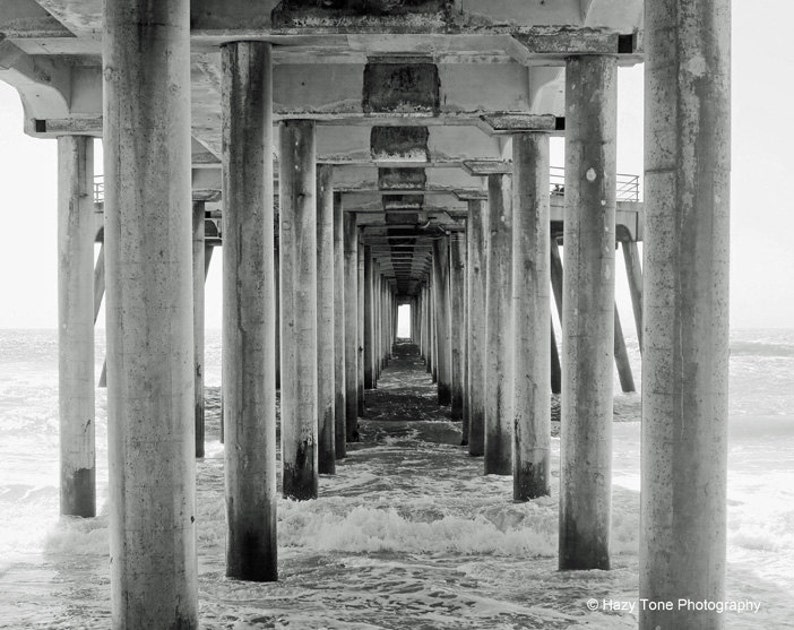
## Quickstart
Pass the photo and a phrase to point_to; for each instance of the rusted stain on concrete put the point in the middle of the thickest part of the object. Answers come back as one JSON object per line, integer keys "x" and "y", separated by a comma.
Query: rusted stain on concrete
{"x": 401, "y": 88}
{"x": 402, "y": 178}
{"x": 400, "y": 144}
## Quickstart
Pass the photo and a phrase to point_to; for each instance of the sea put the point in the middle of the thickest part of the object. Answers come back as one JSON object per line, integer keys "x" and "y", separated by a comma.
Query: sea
{"x": 409, "y": 533}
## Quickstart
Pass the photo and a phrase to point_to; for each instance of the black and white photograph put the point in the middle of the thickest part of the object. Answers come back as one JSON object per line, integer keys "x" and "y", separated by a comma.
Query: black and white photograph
{"x": 396, "y": 315}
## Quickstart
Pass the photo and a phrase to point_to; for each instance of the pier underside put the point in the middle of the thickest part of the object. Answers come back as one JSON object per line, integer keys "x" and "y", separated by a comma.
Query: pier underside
{"x": 352, "y": 158}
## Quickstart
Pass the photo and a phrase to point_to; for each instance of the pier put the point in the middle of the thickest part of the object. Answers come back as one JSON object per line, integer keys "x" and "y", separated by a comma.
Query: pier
{"x": 352, "y": 159}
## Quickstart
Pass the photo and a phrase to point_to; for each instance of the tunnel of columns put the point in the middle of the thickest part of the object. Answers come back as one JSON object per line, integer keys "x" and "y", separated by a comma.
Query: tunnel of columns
{"x": 349, "y": 158}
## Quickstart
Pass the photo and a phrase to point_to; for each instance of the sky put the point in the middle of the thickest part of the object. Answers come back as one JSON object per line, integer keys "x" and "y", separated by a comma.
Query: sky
{"x": 762, "y": 209}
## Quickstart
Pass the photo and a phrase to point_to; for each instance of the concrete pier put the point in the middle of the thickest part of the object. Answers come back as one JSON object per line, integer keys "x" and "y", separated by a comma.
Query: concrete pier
{"x": 249, "y": 317}
{"x": 478, "y": 237}
{"x": 326, "y": 327}
{"x": 531, "y": 317}
{"x": 685, "y": 333}
{"x": 587, "y": 312}
{"x": 351, "y": 327}
{"x": 199, "y": 274}
{"x": 148, "y": 225}
{"x": 298, "y": 242}
{"x": 442, "y": 320}
{"x": 341, "y": 388}
{"x": 499, "y": 344}
{"x": 76, "y": 300}
{"x": 457, "y": 289}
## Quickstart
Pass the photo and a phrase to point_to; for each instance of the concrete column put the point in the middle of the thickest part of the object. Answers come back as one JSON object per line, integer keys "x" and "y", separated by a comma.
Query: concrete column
{"x": 298, "y": 240}
{"x": 499, "y": 342}
{"x": 465, "y": 342}
{"x": 376, "y": 322}
{"x": 326, "y": 327}
{"x": 149, "y": 310}
{"x": 277, "y": 284}
{"x": 340, "y": 362}
{"x": 249, "y": 317}
{"x": 434, "y": 327}
{"x": 685, "y": 340}
{"x": 198, "y": 321}
{"x": 360, "y": 325}
{"x": 478, "y": 238}
{"x": 531, "y": 317}
{"x": 631, "y": 258}
{"x": 443, "y": 320}
{"x": 457, "y": 256}
{"x": 587, "y": 313}
{"x": 76, "y": 325}
{"x": 351, "y": 327}
{"x": 369, "y": 327}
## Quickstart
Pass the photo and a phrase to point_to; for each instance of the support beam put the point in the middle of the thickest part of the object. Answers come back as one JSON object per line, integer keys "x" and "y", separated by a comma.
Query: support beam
{"x": 340, "y": 343}
{"x": 587, "y": 319}
{"x": 351, "y": 328}
{"x": 685, "y": 340}
{"x": 326, "y": 354}
{"x": 631, "y": 258}
{"x": 298, "y": 241}
{"x": 531, "y": 280}
{"x": 360, "y": 326}
{"x": 442, "y": 320}
{"x": 198, "y": 322}
{"x": 622, "y": 358}
{"x": 457, "y": 257}
{"x": 99, "y": 281}
{"x": 249, "y": 318}
{"x": 76, "y": 307}
{"x": 369, "y": 321}
{"x": 148, "y": 217}
{"x": 478, "y": 237}
{"x": 498, "y": 328}
{"x": 556, "y": 368}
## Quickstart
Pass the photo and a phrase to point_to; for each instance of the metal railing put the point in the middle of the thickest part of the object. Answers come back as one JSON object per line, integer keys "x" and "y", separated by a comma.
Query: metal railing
{"x": 99, "y": 189}
{"x": 628, "y": 186}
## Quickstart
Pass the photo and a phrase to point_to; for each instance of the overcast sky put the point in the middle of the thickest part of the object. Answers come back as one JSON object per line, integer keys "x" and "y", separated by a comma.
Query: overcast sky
{"x": 762, "y": 213}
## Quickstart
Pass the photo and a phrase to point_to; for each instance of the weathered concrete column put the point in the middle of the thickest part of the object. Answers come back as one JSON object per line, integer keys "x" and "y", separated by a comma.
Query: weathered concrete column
{"x": 351, "y": 327}
{"x": 249, "y": 317}
{"x": 531, "y": 317}
{"x": 587, "y": 312}
{"x": 443, "y": 320}
{"x": 360, "y": 326}
{"x": 148, "y": 217}
{"x": 277, "y": 284}
{"x": 298, "y": 240}
{"x": 369, "y": 326}
{"x": 457, "y": 256}
{"x": 478, "y": 238}
{"x": 376, "y": 322}
{"x": 76, "y": 325}
{"x": 685, "y": 382}
{"x": 340, "y": 342}
{"x": 499, "y": 342}
{"x": 631, "y": 258}
{"x": 326, "y": 327}
{"x": 199, "y": 273}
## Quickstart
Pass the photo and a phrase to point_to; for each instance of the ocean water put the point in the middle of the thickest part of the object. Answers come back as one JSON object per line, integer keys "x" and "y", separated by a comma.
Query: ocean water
{"x": 409, "y": 533}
